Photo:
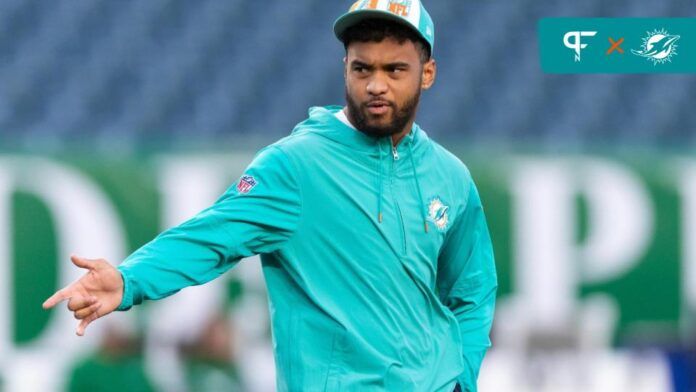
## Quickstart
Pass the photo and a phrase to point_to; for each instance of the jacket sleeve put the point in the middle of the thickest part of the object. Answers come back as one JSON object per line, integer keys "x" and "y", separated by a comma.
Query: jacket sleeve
{"x": 467, "y": 283}
{"x": 257, "y": 217}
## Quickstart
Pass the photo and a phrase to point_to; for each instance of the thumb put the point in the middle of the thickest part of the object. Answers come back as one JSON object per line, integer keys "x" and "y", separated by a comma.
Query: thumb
{"x": 83, "y": 262}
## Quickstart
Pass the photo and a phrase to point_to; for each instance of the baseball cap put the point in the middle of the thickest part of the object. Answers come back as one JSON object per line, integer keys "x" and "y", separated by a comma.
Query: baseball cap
{"x": 410, "y": 13}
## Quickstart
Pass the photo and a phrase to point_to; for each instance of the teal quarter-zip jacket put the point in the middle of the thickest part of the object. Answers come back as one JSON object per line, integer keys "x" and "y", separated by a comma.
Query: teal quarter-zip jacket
{"x": 377, "y": 259}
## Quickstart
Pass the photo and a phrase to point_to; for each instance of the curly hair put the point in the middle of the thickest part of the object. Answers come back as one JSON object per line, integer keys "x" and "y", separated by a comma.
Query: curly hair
{"x": 376, "y": 30}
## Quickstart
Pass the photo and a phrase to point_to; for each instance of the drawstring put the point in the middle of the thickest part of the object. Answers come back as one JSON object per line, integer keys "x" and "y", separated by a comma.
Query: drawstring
{"x": 379, "y": 197}
{"x": 415, "y": 176}
{"x": 420, "y": 194}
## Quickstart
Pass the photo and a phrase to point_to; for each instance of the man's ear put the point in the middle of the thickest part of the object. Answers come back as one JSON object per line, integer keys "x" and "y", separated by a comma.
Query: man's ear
{"x": 429, "y": 73}
{"x": 345, "y": 67}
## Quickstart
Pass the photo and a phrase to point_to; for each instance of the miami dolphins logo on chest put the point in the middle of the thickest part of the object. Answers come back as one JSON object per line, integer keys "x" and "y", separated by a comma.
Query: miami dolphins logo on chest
{"x": 438, "y": 213}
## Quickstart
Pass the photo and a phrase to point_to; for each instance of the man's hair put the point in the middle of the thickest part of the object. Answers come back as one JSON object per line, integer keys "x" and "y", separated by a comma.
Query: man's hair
{"x": 377, "y": 30}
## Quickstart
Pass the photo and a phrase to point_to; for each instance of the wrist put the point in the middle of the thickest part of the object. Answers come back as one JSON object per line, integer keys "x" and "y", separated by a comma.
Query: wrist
{"x": 127, "y": 291}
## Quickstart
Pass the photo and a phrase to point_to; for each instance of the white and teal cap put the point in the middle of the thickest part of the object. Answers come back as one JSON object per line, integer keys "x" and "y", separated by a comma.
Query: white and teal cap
{"x": 408, "y": 12}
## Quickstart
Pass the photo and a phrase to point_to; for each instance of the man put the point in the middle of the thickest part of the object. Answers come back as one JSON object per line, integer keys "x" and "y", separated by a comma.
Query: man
{"x": 372, "y": 237}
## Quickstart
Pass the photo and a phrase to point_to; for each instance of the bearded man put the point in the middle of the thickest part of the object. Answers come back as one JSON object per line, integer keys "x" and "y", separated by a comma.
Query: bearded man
{"x": 373, "y": 241}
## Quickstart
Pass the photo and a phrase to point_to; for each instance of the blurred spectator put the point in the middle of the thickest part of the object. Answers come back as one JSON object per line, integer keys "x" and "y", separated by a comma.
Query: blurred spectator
{"x": 208, "y": 360}
{"x": 116, "y": 366}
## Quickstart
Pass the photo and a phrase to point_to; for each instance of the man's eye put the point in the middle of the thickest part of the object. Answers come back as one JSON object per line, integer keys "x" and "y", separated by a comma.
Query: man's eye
{"x": 359, "y": 69}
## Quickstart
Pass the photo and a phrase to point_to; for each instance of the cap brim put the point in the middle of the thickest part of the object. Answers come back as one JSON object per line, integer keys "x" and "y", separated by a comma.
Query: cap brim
{"x": 352, "y": 18}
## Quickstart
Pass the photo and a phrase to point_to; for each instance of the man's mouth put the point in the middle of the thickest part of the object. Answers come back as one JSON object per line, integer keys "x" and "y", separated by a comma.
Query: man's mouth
{"x": 378, "y": 107}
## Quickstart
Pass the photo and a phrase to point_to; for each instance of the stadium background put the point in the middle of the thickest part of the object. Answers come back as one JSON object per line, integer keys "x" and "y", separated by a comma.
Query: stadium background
{"x": 121, "y": 118}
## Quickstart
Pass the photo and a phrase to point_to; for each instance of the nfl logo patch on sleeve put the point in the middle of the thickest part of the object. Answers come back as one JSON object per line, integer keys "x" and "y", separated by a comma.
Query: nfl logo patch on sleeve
{"x": 246, "y": 184}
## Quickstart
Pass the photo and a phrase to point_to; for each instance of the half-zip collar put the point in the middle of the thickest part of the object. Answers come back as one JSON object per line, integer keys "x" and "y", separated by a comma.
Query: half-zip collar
{"x": 323, "y": 120}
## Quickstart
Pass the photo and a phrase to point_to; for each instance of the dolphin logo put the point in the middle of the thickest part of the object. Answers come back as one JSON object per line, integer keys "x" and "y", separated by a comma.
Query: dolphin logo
{"x": 441, "y": 212}
{"x": 438, "y": 213}
{"x": 659, "y": 46}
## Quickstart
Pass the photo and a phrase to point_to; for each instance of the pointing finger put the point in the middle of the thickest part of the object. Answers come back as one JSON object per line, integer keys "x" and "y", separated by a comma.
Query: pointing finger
{"x": 56, "y": 298}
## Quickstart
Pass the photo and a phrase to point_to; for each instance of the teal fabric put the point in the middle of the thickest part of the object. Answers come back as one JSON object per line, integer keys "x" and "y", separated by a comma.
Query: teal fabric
{"x": 378, "y": 260}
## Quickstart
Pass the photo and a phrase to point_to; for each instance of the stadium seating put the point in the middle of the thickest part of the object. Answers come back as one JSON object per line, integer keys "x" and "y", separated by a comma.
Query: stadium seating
{"x": 169, "y": 71}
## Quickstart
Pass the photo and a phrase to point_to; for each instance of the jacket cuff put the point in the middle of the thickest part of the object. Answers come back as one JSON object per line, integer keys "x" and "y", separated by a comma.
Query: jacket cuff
{"x": 127, "y": 299}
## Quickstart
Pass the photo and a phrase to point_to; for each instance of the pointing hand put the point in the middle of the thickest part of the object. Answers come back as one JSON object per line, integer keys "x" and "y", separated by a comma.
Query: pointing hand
{"x": 94, "y": 295}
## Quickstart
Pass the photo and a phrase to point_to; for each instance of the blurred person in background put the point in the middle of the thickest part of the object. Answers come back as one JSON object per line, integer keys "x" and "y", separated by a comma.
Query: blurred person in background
{"x": 209, "y": 362}
{"x": 116, "y": 366}
{"x": 373, "y": 240}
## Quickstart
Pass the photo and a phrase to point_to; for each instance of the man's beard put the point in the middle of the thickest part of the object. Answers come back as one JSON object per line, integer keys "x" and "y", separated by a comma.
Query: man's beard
{"x": 358, "y": 115}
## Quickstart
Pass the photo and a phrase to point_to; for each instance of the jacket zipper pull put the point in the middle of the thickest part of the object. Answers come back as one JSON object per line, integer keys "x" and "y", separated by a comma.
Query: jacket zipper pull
{"x": 395, "y": 153}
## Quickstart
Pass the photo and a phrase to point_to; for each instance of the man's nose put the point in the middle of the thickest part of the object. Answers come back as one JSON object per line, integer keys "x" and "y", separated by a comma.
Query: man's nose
{"x": 377, "y": 86}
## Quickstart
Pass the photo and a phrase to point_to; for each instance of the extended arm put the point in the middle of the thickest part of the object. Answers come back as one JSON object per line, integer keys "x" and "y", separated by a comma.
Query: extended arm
{"x": 253, "y": 217}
